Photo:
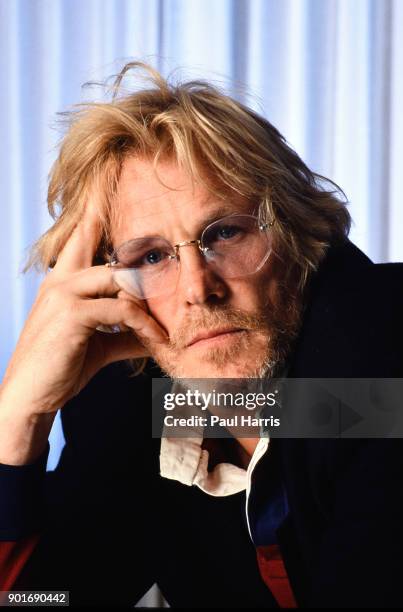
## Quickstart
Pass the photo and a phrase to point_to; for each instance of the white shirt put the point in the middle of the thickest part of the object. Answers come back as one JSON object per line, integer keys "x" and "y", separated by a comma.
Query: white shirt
{"x": 184, "y": 459}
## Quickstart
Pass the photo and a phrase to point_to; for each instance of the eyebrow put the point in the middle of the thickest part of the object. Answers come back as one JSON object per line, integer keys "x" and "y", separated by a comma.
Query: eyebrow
{"x": 217, "y": 213}
{"x": 222, "y": 210}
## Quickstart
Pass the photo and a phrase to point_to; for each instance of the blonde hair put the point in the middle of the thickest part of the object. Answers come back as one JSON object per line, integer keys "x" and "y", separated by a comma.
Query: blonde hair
{"x": 218, "y": 140}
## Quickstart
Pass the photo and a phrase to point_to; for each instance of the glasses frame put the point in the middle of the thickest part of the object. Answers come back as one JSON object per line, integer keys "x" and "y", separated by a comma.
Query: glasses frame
{"x": 113, "y": 260}
{"x": 263, "y": 227}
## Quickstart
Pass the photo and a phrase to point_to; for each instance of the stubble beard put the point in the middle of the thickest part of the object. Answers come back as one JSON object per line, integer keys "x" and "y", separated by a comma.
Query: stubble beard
{"x": 259, "y": 353}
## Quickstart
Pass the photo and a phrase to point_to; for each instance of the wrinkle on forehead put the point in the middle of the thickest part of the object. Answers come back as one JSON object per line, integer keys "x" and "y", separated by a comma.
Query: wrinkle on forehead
{"x": 141, "y": 185}
{"x": 144, "y": 194}
{"x": 165, "y": 178}
{"x": 155, "y": 208}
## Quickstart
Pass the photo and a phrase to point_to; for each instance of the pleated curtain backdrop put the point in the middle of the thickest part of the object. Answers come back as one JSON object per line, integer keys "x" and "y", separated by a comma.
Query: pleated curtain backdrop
{"x": 327, "y": 73}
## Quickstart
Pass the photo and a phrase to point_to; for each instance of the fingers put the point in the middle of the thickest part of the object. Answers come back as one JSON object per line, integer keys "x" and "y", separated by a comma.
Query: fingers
{"x": 93, "y": 282}
{"x": 81, "y": 246}
{"x": 90, "y": 292}
{"x": 122, "y": 346}
{"x": 99, "y": 281}
{"x": 109, "y": 311}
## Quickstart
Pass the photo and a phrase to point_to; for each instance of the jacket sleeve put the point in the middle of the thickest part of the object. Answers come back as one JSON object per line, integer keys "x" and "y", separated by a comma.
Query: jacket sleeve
{"x": 360, "y": 555}
{"x": 83, "y": 527}
{"x": 21, "y": 497}
{"x": 13, "y": 556}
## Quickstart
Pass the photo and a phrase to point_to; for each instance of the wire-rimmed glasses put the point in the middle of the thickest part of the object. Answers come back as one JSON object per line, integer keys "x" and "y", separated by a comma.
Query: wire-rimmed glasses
{"x": 234, "y": 246}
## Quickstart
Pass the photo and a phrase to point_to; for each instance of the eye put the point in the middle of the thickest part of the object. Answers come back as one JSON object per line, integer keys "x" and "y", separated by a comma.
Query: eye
{"x": 151, "y": 258}
{"x": 154, "y": 257}
{"x": 227, "y": 231}
{"x": 144, "y": 253}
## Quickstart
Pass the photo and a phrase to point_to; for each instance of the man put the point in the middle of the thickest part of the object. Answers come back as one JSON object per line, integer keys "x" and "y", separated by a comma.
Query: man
{"x": 229, "y": 259}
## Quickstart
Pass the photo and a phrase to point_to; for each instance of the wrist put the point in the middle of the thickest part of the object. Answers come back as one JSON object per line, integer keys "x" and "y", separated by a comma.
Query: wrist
{"x": 23, "y": 438}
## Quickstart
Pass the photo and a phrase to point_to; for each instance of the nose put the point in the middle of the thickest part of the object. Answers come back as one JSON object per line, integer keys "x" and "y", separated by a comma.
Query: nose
{"x": 197, "y": 280}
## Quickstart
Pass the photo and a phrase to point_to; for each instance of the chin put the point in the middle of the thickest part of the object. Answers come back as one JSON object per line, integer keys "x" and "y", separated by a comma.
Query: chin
{"x": 231, "y": 370}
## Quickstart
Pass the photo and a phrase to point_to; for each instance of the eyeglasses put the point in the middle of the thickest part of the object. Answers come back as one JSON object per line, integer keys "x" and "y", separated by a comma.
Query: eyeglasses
{"x": 234, "y": 246}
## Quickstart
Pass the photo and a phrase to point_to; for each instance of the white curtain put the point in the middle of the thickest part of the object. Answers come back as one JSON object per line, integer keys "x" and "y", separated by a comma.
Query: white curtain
{"x": 327, "y": 73}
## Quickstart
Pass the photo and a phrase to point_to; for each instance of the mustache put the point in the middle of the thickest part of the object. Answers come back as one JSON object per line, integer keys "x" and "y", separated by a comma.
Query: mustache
{"x": 214, "y": 317}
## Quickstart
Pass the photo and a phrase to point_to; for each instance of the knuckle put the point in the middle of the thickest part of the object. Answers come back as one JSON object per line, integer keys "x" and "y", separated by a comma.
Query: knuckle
{"x": 53, "y": 294}
{"x": 48, "y": 295}
{"x": 56, "y": 297}
{"x": 128, "y": 308}
{"x": 45, "y": 285}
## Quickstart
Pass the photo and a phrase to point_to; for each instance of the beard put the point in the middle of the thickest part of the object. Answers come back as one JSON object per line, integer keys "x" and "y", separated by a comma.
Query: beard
{"x": 261, "y": 352}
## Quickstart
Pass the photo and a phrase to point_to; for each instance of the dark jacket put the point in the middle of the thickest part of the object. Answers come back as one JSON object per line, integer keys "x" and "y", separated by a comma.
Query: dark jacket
{"x": 111, "y": 526}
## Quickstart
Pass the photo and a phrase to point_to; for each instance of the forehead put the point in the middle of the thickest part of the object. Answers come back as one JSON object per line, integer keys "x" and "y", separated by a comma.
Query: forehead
{"x": 150, "y": 203}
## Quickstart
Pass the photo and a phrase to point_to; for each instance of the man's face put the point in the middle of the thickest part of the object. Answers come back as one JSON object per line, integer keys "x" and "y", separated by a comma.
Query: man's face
{"x": 238, "y": 311}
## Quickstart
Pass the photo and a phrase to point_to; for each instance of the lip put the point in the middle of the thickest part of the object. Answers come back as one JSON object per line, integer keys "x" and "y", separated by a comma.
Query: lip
{"x": 213, "y": 334}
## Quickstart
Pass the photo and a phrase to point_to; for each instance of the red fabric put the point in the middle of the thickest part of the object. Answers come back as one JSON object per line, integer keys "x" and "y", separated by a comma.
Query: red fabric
{"x": 273, "y": 572}
{"x": 13, "y": 556}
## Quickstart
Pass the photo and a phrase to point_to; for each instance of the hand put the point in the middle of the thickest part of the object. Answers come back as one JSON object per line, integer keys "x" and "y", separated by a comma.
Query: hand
{"x": 59, "y": 349}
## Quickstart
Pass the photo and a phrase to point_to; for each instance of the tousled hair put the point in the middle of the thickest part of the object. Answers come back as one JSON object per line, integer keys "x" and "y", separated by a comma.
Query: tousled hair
{"x": 218, "y": 140}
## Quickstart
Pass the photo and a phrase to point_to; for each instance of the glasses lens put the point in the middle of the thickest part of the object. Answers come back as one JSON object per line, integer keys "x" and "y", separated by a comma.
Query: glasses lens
{"x": 143, "y": 267}
{"x": 236, "y": 246}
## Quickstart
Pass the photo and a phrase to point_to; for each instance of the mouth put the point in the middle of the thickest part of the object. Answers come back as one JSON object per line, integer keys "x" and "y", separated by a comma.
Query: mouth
{"x": 215, "y": 336}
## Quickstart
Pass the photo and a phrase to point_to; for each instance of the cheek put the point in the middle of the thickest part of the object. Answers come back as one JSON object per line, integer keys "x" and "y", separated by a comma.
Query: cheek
{"x": 163, "y": 309}
{"x": 264, "y": 287}
{"x": 252, "y": 294}
{"x": 267, "y": 291}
